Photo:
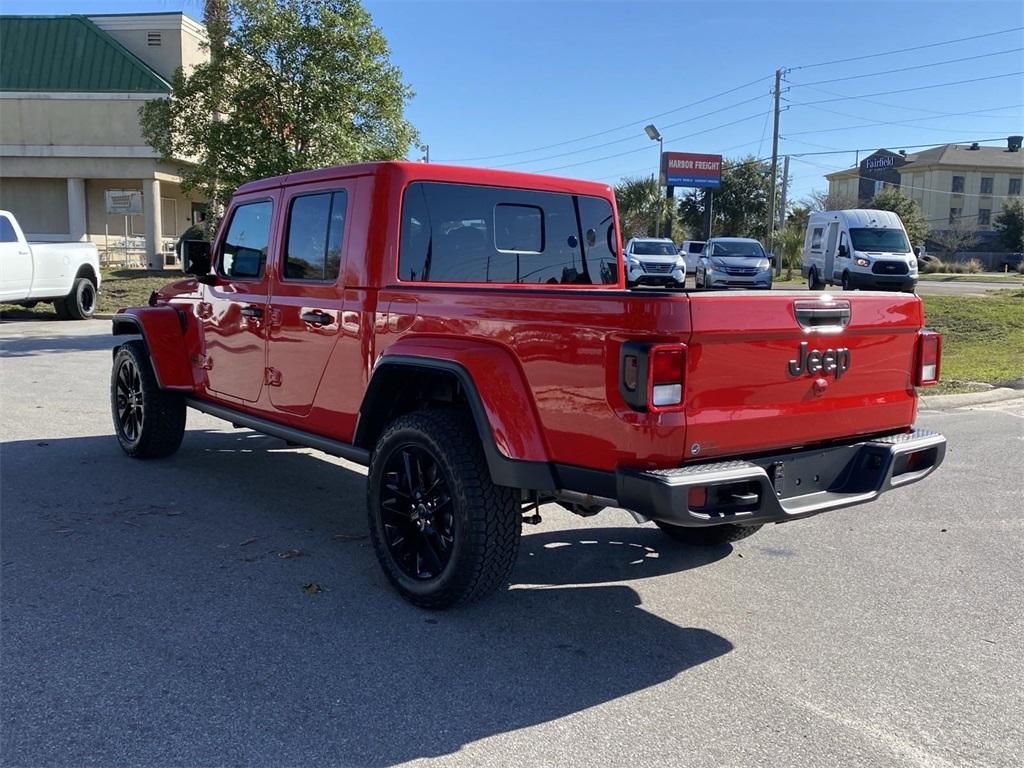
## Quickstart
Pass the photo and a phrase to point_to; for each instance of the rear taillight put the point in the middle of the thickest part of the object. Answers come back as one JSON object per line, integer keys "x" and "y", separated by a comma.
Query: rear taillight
{"x": 651, "y": 376}
{"x": 929, "y": 358}
{"x": 667, "y": 367}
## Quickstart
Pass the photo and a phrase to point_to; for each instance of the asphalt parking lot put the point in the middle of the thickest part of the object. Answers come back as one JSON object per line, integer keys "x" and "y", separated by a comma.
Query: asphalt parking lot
{"x": 160, "y": 613}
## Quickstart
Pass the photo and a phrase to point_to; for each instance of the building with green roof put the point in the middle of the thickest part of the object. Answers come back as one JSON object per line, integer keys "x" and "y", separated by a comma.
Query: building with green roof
{"x": 70, "y": 92}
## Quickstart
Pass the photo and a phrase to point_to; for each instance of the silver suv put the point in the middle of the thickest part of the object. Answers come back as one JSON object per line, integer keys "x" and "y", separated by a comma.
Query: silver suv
{"x": 733, "y": 262}
{"x": 654, "y": 261}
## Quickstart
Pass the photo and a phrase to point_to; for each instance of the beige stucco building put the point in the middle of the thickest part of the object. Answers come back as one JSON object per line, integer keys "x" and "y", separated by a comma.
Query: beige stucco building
{"x": 70, "y": 134}
{"x": 956, "y": 185}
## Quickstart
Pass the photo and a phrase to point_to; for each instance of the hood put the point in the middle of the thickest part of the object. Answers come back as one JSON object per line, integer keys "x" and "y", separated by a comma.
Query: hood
{"x": 659, "y": 259}
{"x": 735, "y": 261}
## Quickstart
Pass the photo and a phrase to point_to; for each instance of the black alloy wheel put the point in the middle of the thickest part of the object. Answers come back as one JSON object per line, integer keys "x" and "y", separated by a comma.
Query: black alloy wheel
{"x": 417, "y": 512}
{"x": 129, "y": 407}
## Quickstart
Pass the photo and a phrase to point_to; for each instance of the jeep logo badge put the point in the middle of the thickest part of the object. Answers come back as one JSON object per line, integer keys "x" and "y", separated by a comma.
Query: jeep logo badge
{"x": 830, "y": 361}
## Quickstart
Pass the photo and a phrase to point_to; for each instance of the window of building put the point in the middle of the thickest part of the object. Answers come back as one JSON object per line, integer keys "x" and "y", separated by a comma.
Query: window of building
{"x": 954, "y": 214}
{"x": 816, "y": 236}
{"x": 879, "y": 186}
{"x": 986, "y": 185}
{"x": 7, "y": 234}
{"x": 244, "y": 251}
{"x": 316, "y": 224}
{"x": 958, "y": 183}
{"x": 154, "y": 39}
{"x": 1014, "y": 186}
{"x": 984, "y": 215}
{"x": 459, "y": 233}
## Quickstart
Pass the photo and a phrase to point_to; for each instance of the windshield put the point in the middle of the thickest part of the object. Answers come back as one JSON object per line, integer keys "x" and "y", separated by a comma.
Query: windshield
{"x": 739, "y": 248}
{"x": 695, "y": 247}
{"x": 874, "y": 239}
{"x": 642, "y": 248}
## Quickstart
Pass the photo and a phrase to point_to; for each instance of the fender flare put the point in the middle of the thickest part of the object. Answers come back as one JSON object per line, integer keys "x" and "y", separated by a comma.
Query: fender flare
{"x": 163, "y": 330}
{"x": 515, "y": 452}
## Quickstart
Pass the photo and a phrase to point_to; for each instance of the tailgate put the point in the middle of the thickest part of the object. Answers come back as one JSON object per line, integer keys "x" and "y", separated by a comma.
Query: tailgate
{"x": 784, "y": 369}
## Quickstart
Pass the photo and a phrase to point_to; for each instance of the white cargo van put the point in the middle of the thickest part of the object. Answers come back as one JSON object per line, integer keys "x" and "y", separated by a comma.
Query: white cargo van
{"x": 859, "y": 248}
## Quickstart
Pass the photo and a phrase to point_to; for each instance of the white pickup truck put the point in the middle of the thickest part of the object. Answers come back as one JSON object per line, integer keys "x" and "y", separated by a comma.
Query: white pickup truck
{"x": 67, "y": 274}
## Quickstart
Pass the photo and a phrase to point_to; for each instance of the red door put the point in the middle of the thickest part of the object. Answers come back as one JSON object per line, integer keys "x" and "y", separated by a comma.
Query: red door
{"x": 234, "y": 309}
{"x": 307, "y": 295}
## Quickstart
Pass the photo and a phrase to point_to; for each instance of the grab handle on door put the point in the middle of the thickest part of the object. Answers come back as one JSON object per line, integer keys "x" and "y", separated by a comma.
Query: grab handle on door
{"x": 316, "y": 317}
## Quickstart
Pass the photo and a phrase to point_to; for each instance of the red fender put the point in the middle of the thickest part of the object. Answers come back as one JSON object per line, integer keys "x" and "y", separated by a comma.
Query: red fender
{"x": 169, "y": 333}
{"x": 499, "y": 383}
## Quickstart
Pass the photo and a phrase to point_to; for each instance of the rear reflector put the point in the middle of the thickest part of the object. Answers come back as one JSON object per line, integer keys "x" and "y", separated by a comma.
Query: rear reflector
{"x": 929, "y": 356}
{"x": 697, "y": 497}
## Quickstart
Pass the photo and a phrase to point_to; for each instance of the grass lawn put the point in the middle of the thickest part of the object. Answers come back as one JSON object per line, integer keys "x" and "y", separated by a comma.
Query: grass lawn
{"x": 121, "y": 288}
{"x": 983, "y": 277}
{"x": 982, "y": 338}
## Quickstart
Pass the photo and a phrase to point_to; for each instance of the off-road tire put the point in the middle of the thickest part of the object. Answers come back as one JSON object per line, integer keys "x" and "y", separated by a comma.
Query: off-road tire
{"x": 161, "y": 422}
{"x": 80, "y": 304}
{"x": 713, "y": 536}
{"x": 487, "y": 519}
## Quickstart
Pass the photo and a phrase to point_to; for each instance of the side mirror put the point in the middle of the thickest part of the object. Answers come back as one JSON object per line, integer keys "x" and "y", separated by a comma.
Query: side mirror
{"x": 195, "y": 257}
{"x": 771, "y": 258}
{"x": 843, "y": 253}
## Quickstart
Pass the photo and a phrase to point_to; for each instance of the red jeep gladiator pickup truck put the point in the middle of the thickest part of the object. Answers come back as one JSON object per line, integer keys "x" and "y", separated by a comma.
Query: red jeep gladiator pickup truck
{"x": 469, "y": 336}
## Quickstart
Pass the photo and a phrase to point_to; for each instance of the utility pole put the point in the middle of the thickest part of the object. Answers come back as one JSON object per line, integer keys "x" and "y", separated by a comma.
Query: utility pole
{"x": 775, "y": 161}
{"x": 782, "y": 212}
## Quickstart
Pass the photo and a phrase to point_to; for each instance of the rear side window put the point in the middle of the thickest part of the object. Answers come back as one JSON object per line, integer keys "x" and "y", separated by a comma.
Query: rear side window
{"x": 245, "y": 246}
{"x": 816, "y": 236}
{"x": 316, "y": 224}
{"x": 459, "y": 233}
{"x": 7, "y": 234}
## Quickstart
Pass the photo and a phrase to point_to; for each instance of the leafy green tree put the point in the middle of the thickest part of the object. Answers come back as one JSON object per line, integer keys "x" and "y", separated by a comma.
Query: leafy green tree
{"x": 642, "y": 206}
{"x": 1010, "y": 225}
{"x": 791, "y": 247}
{"x": 892, "y": 199}
{"x": 741, "y": 204}
{"x": 289, "y": 85}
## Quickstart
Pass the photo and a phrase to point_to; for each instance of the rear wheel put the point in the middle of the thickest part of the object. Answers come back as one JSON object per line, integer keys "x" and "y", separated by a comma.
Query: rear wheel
{"x": 443, "y": 532}
{"x": 708, "y": 537}
{"x": 148, "y": 421}
{"x": 80, "y": 304}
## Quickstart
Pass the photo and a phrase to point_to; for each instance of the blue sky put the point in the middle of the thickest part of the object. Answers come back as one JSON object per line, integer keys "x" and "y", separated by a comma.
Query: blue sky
{"x": 499, "y": 83}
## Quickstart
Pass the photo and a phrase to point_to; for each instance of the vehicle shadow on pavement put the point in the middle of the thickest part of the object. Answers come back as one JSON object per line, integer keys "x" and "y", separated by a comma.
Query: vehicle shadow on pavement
{"x": 28, "y": 346}
{"x": 223, "y": 606}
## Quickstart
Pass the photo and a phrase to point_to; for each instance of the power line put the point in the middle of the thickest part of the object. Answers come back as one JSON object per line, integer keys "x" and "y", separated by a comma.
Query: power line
{"x": 630, "y": 124}
{"x": 871, "y": 122}
{"x": 628, "y": 138}
{"x": 908, "y": 90}
{"x": 902, "y": 146}
{"x": 907, "y": 50}
{"x": 644, "y": 149}
{"x": 907, "y": 69}
{"x": 901, "y": 106}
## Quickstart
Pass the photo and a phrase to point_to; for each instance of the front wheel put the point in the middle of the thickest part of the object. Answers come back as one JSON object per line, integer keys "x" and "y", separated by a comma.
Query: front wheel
{"x": 847, "y": 282}
{"x": 148, "y": 421}
{"x": 443, "y": 532}
{"x": 708, "y": 537}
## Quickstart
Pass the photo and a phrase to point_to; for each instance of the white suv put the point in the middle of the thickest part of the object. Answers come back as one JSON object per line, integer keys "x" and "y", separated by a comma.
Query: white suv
{"x": 654, "y": 261}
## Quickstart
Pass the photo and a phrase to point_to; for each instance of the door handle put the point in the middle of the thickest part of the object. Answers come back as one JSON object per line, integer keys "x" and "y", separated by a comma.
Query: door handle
{"x": 316, "y": 317}
{"x": 251, "y": 311}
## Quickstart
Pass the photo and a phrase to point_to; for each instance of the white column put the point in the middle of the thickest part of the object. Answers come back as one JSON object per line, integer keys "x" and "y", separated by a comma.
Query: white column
{"x": 151, "y": 220}
{"x": 76, "y": 209}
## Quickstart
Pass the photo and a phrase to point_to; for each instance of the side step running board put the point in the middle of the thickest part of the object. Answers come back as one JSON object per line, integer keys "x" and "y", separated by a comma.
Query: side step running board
{"x": 288, "y": 434}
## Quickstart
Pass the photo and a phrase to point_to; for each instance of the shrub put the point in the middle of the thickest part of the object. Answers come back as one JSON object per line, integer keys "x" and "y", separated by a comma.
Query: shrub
{"x": 969, "y": 267}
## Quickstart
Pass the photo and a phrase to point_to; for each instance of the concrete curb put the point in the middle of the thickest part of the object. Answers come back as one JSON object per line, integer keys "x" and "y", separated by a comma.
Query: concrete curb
{"x": 940, "y": 402}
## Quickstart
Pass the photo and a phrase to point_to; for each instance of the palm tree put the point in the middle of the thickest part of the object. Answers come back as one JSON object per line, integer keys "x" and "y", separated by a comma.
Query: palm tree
{"x": 642, "y": 206}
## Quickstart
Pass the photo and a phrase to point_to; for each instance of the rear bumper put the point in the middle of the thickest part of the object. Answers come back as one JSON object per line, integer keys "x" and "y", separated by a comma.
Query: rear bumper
{"x": 788, "y": 486}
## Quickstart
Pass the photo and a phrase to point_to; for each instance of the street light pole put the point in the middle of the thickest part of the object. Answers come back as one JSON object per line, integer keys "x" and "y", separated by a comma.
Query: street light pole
{"x": 654, "y": 135}
{"x": 425, "y": 149}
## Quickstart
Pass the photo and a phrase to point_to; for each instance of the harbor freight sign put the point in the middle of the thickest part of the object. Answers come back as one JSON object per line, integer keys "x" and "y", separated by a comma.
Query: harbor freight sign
{"x": 685, "y": 169}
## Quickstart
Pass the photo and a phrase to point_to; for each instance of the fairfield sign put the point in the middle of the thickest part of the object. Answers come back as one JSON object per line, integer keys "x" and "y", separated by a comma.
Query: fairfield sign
{"x": 686, "y": 169}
